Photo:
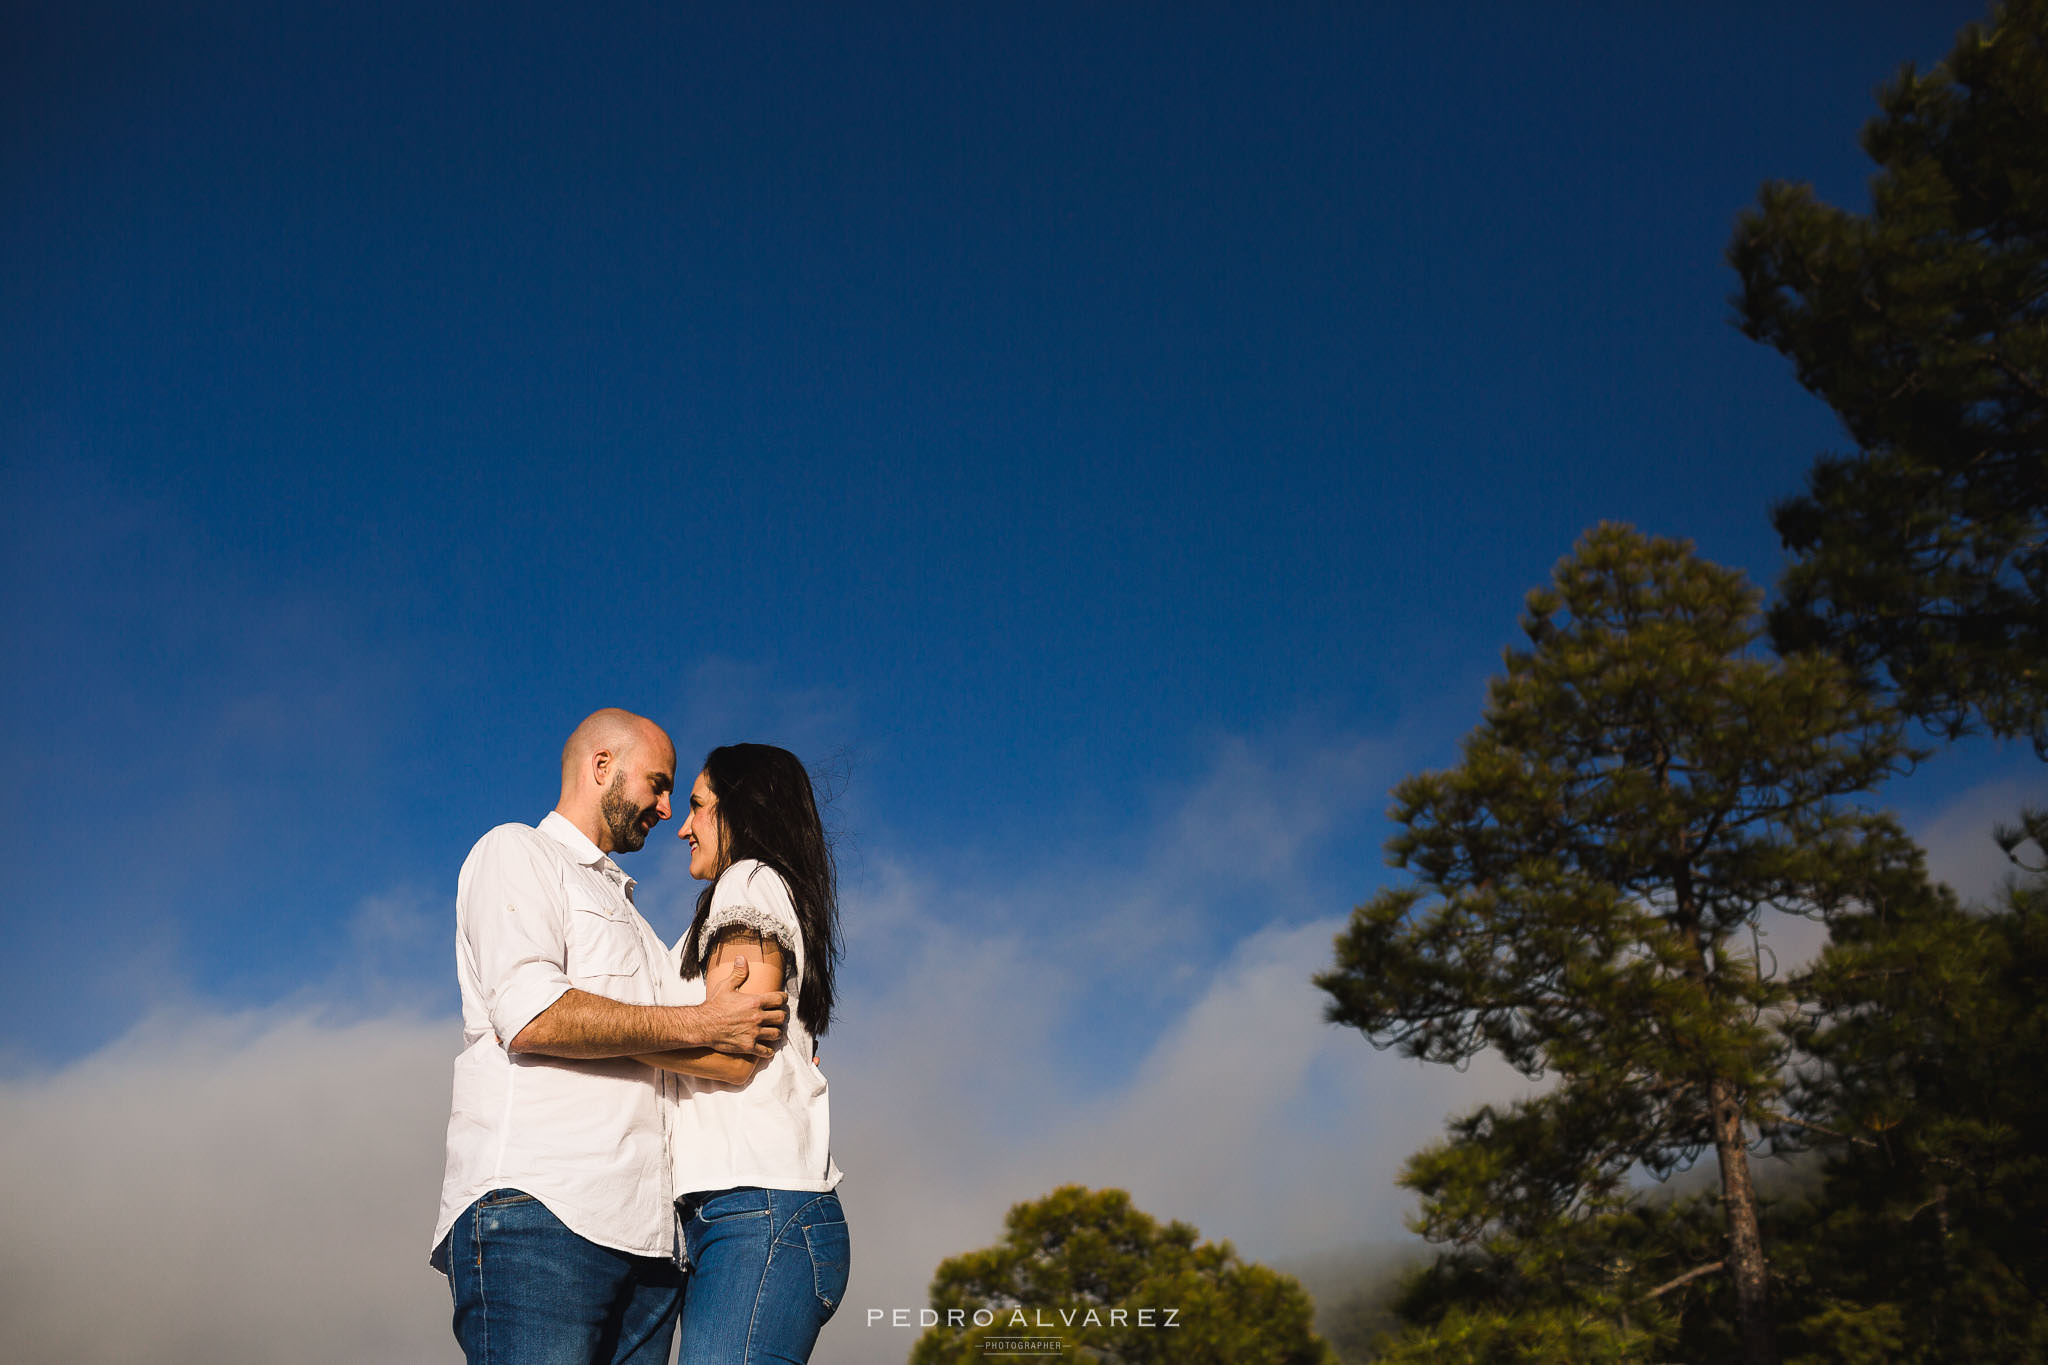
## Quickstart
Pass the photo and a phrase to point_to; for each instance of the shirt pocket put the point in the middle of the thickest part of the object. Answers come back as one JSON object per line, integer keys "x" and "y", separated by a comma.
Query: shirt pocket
{"x": 604, "y": 950}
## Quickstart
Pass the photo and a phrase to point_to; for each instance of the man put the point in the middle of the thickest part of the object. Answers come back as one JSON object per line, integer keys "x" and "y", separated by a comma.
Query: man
{"x": 556, "y": 1229}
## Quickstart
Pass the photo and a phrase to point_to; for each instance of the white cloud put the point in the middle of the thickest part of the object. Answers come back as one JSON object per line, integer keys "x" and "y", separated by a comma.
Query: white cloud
{"x": 1960, "y": 850}
{"x": 241, "y": 1188}
{"x": 1260, "y": 808}
{"x": 1788, "y": 943}
{"x": 256, "y": 1188}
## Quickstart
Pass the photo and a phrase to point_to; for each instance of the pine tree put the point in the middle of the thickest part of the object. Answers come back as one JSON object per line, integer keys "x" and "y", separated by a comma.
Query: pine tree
{"x": 1921, "y": 1077}
{"x": 1111, "y": 1282}
{"x": 1923, "y": 557}
{"x": 1589, "y": 882}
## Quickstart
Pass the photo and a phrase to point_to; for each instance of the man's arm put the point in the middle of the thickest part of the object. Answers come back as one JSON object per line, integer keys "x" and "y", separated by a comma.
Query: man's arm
{"x": 728, "y": 971}
{"x": 583, "y": 1025}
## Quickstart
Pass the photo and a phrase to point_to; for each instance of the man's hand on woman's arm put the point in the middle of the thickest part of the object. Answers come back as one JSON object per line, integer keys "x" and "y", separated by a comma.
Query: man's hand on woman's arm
{"x": 581, "y": 1025}
{"x": 728, "y": 974}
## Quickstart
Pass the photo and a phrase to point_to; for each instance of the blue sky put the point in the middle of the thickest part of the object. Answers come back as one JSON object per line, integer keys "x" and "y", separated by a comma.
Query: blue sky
{"x": 1117, "y": 438}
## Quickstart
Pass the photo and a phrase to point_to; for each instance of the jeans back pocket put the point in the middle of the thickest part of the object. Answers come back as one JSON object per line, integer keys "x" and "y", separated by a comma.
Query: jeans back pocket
{"x": 831, "y": 1258}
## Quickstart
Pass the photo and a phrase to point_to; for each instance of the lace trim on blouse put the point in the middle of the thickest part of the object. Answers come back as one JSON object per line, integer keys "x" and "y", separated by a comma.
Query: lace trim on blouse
{"x": 761, "y": 922}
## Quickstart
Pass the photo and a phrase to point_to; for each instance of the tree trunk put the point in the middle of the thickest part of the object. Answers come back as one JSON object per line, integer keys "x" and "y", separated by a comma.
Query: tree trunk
{"x": 1745, "y": 1243}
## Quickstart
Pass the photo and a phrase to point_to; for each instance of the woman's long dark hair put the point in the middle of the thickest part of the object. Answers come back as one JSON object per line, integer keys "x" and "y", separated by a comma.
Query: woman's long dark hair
{"x": 768, "y": 811}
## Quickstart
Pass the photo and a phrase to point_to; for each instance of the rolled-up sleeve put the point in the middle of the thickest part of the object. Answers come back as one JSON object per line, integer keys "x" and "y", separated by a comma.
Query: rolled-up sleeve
{"x": 509, "y": 909}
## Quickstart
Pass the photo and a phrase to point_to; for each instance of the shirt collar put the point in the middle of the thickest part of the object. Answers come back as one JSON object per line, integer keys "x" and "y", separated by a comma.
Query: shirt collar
{"x": 563, "y": 831}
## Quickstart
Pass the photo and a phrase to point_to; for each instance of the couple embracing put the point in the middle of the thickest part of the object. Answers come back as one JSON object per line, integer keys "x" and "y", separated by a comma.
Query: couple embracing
{"x": 641, "y": 1133}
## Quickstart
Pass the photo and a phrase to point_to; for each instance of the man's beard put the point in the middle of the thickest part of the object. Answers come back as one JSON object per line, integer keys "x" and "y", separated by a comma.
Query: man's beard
{"x": 622, "y": 817}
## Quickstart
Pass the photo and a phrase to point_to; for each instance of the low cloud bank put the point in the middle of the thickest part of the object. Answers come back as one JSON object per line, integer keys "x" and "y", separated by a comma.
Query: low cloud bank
{"x": 220, "y": 1189}
{"x": 247, "y": 1188}
{"x": 217, "y": 1189}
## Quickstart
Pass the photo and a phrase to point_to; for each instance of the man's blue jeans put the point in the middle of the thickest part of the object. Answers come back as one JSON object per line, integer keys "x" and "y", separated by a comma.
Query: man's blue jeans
{"x": 530, "y": 1292}
{"x": 767, "y": 1268}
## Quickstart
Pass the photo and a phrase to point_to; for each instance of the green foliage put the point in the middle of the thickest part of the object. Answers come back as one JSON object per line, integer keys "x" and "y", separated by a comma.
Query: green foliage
{"x": 1925, "y": 1042}
{"x": 1071, "y": 1259}
{"x": 1603, "y": 1267}
{"x": 1589, "y": 881}
{"x": 1535, "y": 1337}
{"x": 1923, "y": 558}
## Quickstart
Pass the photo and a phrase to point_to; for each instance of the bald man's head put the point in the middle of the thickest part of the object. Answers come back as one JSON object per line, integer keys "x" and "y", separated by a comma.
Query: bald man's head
{"x": 617, "y": 772}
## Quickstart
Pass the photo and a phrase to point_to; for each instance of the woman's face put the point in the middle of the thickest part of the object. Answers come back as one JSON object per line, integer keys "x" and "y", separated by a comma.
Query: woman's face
{"x": 704, "y": 832}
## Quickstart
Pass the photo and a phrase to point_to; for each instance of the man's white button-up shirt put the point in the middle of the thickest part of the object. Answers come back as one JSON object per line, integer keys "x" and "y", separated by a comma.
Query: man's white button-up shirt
{"x": 538, "y": 911}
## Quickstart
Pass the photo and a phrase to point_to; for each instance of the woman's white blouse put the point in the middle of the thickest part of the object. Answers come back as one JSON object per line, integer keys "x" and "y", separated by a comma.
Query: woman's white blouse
{"x": 775, "y": 1131}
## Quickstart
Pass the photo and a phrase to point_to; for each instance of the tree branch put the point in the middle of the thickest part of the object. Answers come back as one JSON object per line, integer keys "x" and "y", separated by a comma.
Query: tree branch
{"x": 1816, "y": 1128}
{"x": 2017, "y": 375}
{"x": 1687, "y": 1278}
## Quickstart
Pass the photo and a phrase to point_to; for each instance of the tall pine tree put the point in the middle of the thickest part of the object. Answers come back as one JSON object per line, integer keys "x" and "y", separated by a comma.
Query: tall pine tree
{"x": 1922, "y": 558}
{"x": 1589, "y": 884}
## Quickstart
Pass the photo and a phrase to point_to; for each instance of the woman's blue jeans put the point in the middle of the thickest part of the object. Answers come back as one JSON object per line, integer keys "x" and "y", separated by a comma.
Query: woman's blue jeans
{"x": 766, "y": 1269}
{"x": 530, "y": 1292}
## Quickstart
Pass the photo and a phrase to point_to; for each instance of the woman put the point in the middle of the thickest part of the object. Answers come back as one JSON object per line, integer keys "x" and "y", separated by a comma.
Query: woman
{"x": 751, "y": 1144}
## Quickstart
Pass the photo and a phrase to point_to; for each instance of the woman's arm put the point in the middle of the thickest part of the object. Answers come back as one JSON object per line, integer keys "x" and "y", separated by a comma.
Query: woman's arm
{"x": 742, "y": 960}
